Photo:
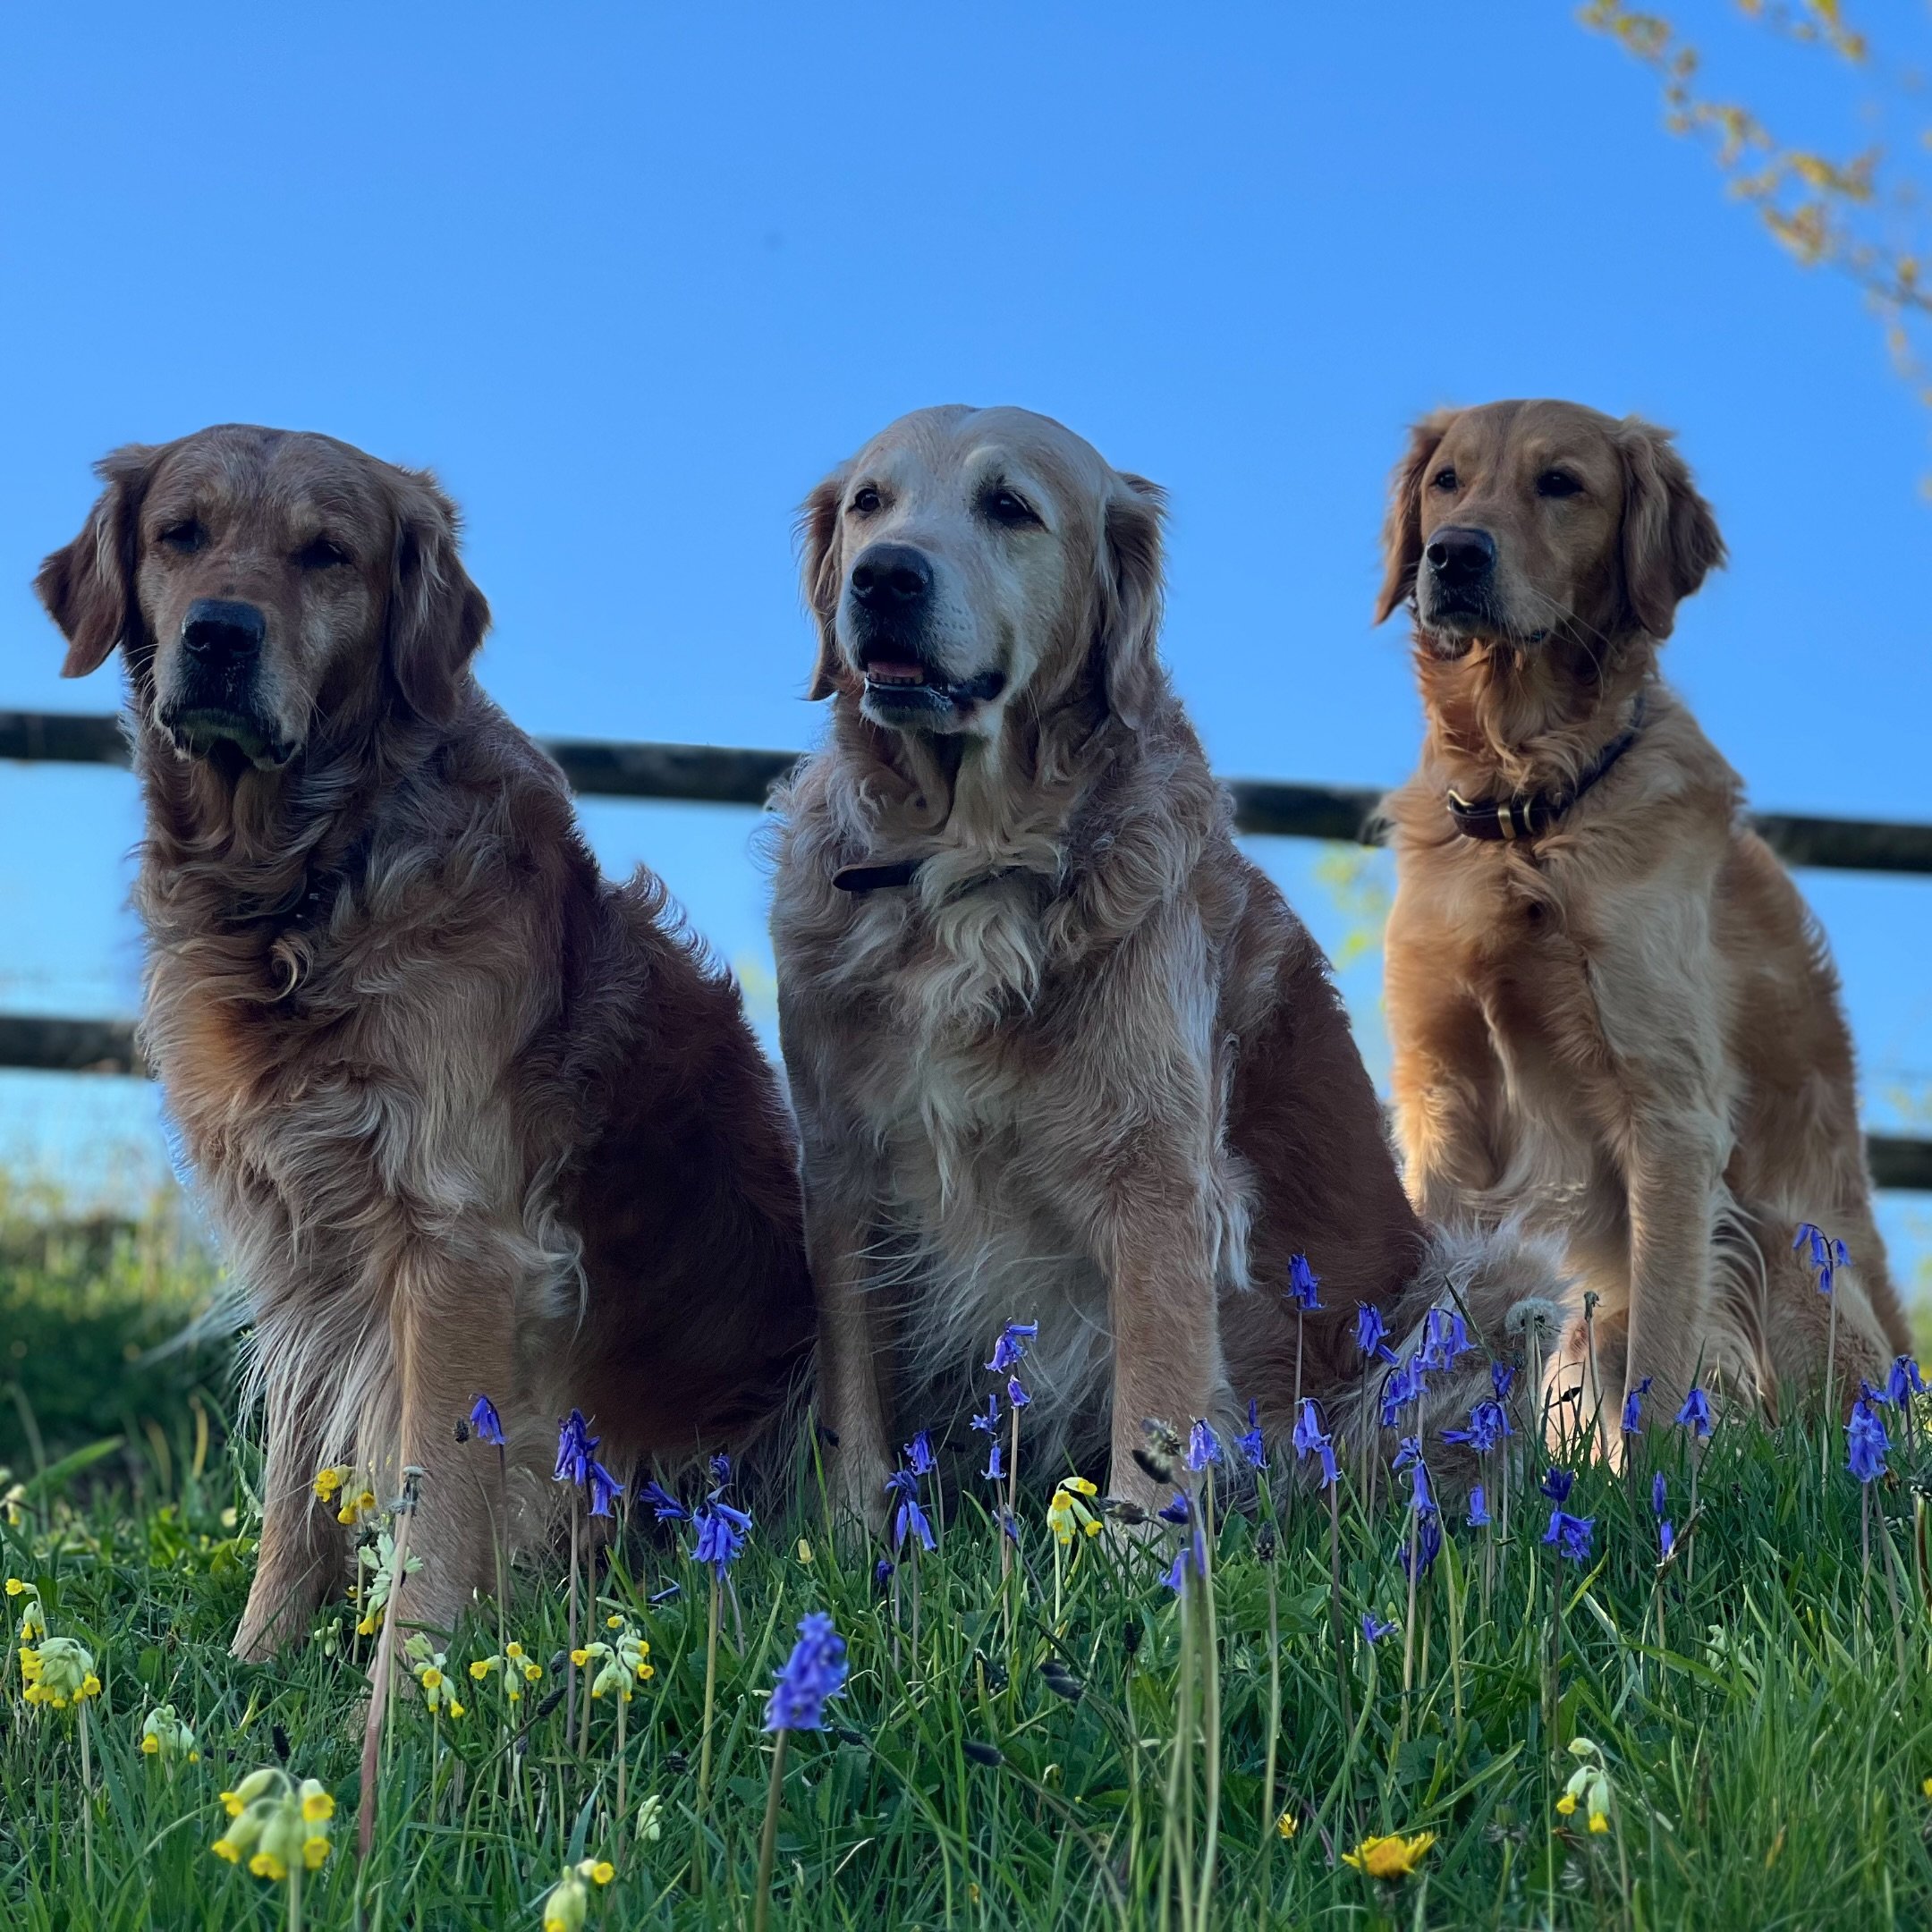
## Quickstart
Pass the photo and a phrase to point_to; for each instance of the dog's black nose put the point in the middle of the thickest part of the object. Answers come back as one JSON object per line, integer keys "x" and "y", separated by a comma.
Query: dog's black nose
{"x": 1462, "y": 557}
{"x": 892, "y": 578}
{"x": 219, "y": 628}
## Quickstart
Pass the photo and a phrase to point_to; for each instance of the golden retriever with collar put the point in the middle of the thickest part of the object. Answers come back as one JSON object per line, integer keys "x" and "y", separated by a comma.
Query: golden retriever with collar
{"x": 1058, "y": 1051}
{"x": 1613, "y": 1015}
{"x": 469, "y": 1118}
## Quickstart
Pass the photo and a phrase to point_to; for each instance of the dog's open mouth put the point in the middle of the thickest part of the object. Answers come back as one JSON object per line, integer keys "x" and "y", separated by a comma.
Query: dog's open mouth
{"x": 900, "y": 684}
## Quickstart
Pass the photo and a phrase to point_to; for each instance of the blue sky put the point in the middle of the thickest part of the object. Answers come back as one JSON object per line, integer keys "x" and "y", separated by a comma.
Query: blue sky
{"x": 632, "y": 279}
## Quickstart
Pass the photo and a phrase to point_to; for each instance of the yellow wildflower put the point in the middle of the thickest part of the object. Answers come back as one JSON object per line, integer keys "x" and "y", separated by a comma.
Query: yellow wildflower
{"x": 1566, "y": 1804}
{"x": 164, "y": 1735}
{"x": 327, "y": 1481}
{"x": 650, "y": 1818}
{"x": 564, "y": 1907}
{"x": 277, "y": 1823}
{"x": 1067, "y": 1514}
{"x": 1589, "y": 1786}
{"x": 227, "y": 1849}
{"x": 427, "y": 1666}
{"x": 1287, "y": 1823}
{"x": 59, "y": 1673}
{"x": 33, "y": 1618}
{"x": 1389, "y": 1857}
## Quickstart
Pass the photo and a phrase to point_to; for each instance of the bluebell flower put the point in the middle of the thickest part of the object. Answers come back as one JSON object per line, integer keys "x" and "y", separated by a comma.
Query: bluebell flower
{"x": 882, "y": 1572}
{"x": 1424, "y": 1543}
{"x": 721, "y": 1535}
{"x": 918, "y": 1453}
{"x": 1633, "y": 1407}
{"x": 1828, "y": 1255}
{"x": 1658, "y": 1494}
{"x": 1502, "y": 1374}
{"x": 1402, "y": 1388}
{"x": 1175, "y": 1511}
{"x": 1016, "y": 1396}
{"x": 485, "y": 1423}
{"x": 1204, "y": 1447}
{"x": 814, "y": 1671}
{"x": 605, "y": 1488}
{"x": 1866, "y": 1442}
{"x": 1253, "y": 1453}
{"x": 1556, "y": 1484}
{"x": 1489, "y": 1425}
{"x": 1370, "y": 1331}
{"x": 720, "y": 1470}
{"x": 1374, "y": 1629}
{"x": 1310, "y": 1440}
{"x": 1444, "y": 1337}
{"x": 1903, "y": 1383}
{"x": 1191, "y": 1554}
{"x": 908, "y": 1519}
{"x": 1478, "y": 1508}
{"x": 996, "y": 1467}
{"x": 988, "y": 1423}
{"x": 1696, "y": 1414}
{"x": 1009, "y": 1351}
{"x": 1303, "y": 1283}
{"x": 576, "y": 1445}
{"x": 1571, "y": 1535}
{"x": 1667, "y": 1538}
{"x": 667, "y": 1507}
{"x": 1421, "y": 1498}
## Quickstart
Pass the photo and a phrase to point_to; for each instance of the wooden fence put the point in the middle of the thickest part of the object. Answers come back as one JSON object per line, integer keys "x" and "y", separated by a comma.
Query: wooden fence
{"x": 731, "y": 775}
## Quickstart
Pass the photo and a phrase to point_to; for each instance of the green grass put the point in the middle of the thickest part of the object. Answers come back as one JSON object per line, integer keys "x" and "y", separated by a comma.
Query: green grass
{"x": 1766, "y": 1757}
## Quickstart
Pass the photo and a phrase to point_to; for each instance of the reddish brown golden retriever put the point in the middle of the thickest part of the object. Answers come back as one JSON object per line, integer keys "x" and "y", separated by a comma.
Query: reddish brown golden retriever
{"x": 1613, "y": 1015}
{"x": 469, "y": 1118}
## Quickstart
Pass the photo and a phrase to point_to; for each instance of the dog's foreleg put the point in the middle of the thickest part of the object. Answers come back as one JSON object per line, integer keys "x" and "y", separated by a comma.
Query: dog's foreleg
{"x": 850, "y": 1402}
{"x": 1673, "y": 1177}
{"x": 302, "y": 1547}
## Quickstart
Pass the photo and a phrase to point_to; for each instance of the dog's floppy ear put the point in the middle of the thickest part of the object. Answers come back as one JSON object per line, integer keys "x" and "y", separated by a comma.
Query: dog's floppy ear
{"x": 87, "y": 586}
{"x": 1402, "y": 527}
{"x": 1131, "y": 591}
{"x": 437, "y": 615}
{"x": 1671, "y": 539}
{"x": 819, "y": 578}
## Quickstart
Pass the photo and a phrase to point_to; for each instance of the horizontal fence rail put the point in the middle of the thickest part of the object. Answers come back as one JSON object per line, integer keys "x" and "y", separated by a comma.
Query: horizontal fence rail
{"x": 732, "y": 775}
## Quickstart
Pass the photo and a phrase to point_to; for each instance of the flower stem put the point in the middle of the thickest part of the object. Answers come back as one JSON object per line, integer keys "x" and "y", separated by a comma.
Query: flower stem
{"x": 1335, "y": 1605}
{"x": 769, "y": 1838}
{"x": 704, "y": 1748}
{"x": 1831, "y": 1398}
{"x": 1274, "y": 1736}
{"x": 570, "y": 1661}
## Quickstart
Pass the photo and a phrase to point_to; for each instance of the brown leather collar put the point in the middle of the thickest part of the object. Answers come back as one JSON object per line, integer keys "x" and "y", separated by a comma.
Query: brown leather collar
{"x": 1528, "y": 815}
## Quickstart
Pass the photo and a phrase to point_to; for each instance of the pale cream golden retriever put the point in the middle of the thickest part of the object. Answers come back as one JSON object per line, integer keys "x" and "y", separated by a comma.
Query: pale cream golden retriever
{"x": 1059, "y": 1052}
{"x": 1613, "y": 1015}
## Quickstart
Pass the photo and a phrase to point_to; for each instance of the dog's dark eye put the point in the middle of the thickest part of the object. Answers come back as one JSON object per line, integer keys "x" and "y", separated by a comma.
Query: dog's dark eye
{"x": 1008, "y": 506}
{"x": 1557, "y": 483}
{"x": 321, "y": 552}
{"x": 1444, "y": 480}
{"x": 187, "y": 537}
{"x": 865, "y": 501}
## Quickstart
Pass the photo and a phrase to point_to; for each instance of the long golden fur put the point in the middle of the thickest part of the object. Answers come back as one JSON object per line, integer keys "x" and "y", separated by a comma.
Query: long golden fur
{"x": 1625, "y": 1031}
{"x": 1086, "y": 1067}
{"x": 468, "y": 1118}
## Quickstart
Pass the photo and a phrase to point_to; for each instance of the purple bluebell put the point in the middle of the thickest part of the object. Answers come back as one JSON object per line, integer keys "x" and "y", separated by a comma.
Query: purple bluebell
{"x": 721, "y": 1535}
{"x": 1556, "y": 1484}
{"x": 1660, "y": 1495}
{"x": 1444, "y": 1337}
{"x": 1016, "y": 1395}
{"x": 988, "y": 1423}
{"x": 1828, "y": 1255}
{"x": 1303, "y": 1284}
{"x": 576, "y": 1446}
{"x": 1666, "y": 1536}
{"x": 1501, "y": 1375}
{"x": 908, "y": 1519}
{"x": 485, "y": 1424}
{"x": 1478, "y": 1508}
{"x": 1866, "y": 1443}
{"x": 665, "y": 1505}
{"x": 1903, "y": 1383}
{"x": 918, "y": 1453}
{"x": 1374, "y": 1629}
{"x": 1490, "y": 1423}
{"x": 1633, "y": 1407}
{"x": 720, "y": 1467}
{"x": 882, "y": 1572}
{"x": 1175, "y": 1511}
{"x": 814, "y": 1671}
{"x": 1696, "y": 1414}
{"x": 1009, "y": 1351}
{"x": 1424, "y": 1543}
{"x": 1204, "y": 1448}
{"x": 1310, "y": 1440}
{"x": 1253, "y": 1451}
{"x": 1370, "y": 1333}
{"x": 1571, "y": 1535}
{"x": 605, "y": 1488}
{"x": 1402, "y": 1389}
{"x": 995, "y": 1466}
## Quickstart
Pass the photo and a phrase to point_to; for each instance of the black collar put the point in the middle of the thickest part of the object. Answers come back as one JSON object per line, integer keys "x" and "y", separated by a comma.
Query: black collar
{"x": 866, "y": 878}
{"x": 1528, "y": 815}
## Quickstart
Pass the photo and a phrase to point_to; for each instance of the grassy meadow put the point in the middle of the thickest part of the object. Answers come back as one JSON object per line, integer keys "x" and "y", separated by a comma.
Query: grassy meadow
{"x": 1744, "y": 1734}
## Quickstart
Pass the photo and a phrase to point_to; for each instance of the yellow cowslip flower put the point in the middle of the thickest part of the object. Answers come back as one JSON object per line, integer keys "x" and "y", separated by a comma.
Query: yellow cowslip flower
{"x": 1389, "y": 1857}
{"x": 380, "y": 1563}
{"x": 515, "y": 1661}
{"x": 650, "y": 1818}
{"x": 59, "y": 1673}
{"x": 1599, "y": 1821}
{"x": 1067, "y": 1515}
{"x": 1566, "y": 1804}
{"x": 165, "y": 1736}
{"x": 567, "y": 1901}
{"x": 1287, "y": 1825}
{"x": 1926, "y": 1788}
{"x": 427, "y": 1667}
{"x": 618, "y": 1662}
{"x": 1589, "y": 1786}
{"x": 277, "y": 1824}
{"x": 327, "y": 1481}
{"x": 804, "y": 1552}
{"x": 33, "y": 1618}
{"x": 580, "y": 1657}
